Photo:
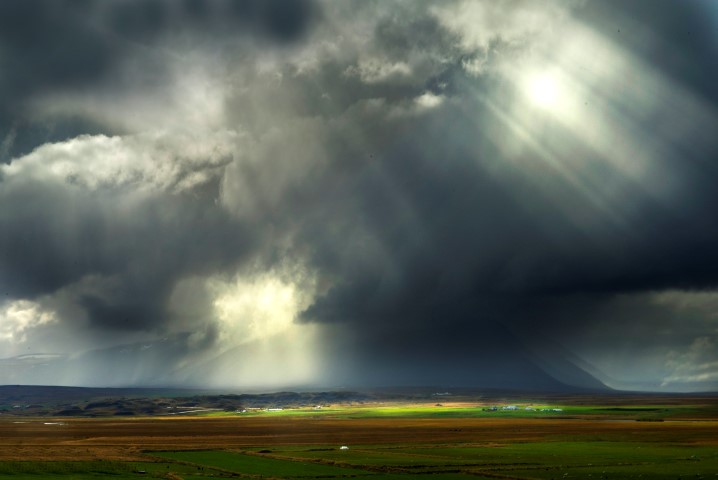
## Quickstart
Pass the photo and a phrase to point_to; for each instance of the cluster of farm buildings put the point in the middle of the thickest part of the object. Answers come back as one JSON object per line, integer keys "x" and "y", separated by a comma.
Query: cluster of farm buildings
{"x": 512, "y": 408}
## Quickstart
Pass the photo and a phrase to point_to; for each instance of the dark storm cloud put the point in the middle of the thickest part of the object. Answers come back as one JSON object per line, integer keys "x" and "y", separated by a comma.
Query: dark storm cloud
{"x": 45, "y": 45}
{"x": 55, "y": 47}
{"x": 435, "y": 238}
{"x": 144, "y": 20}
{"x": 451, "y": 222}
{"x": 446, "y": 222}
{"x": 679, "y": 40}
{"x": 49, "y": 245}
{"x": 459, "y": 242}
{"x": 110, "y": 223}
{"x": 48, "y": 43}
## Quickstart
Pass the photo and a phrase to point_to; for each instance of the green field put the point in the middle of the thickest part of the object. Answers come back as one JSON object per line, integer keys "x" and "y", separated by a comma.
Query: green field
{"x": 667, "y": 450}
{"x": 635, "y": 412}
{"x": 305, "y": 464}
{"x": 259, "y": 465}
{"x": 534, "y": 460}
{"x": 68, "y": 470}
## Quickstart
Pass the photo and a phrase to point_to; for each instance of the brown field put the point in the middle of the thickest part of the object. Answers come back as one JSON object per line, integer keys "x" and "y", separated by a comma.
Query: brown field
{"x": 124, "y": 439}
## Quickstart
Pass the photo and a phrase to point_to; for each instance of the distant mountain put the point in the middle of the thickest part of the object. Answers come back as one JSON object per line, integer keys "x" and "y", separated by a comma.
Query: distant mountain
{"x": 58, "y": 401}
{"x": 23, "y": 395}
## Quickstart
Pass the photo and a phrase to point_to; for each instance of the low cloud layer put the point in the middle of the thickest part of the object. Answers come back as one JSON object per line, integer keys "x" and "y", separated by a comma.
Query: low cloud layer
{"x": 237, "y": 193}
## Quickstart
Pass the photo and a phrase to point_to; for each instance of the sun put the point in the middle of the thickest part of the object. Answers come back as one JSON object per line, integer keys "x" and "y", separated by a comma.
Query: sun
{"x": 543, "y": 90}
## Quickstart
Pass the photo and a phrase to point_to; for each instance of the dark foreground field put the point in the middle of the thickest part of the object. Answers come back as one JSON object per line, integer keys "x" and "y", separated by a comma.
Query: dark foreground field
{"x": 432, "y": 442}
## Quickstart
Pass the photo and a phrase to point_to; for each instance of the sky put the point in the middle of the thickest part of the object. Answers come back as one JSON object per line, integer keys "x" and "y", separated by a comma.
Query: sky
{"x": 267, "y": 193}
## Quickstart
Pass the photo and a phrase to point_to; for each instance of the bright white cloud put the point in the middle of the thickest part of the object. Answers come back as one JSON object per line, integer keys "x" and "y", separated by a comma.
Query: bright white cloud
{"x": 375, "y": 70}
{"x": 259, "y": 340}
{"x": 258, "y": 307}
{"x": 480, "y": 23}
{"x": 146, "y": 162}
{"x": 18, "y": 317}
{"x": 428, "y": 101}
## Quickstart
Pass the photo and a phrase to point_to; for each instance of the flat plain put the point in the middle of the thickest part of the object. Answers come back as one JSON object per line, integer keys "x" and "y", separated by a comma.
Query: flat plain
{"x": 640, "y": 438}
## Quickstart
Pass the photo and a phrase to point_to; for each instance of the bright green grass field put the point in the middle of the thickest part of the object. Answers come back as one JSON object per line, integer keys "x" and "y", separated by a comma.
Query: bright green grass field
{"x": 33, "y": 470}
{"x": 535, "y": 460}
{"x": 650, "y": 412}
{"x": 257, "y": 465}
{"x": 372, "y": 457}
{"x": 299, "y": 468}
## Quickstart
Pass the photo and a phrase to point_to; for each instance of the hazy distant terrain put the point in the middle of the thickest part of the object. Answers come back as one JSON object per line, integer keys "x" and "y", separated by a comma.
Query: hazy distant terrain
{"x": 39, "y": 401}
{"x": 98, "y": 402}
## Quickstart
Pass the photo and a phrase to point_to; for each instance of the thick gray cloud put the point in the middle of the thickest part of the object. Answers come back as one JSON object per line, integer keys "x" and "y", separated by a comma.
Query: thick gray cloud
{"x": 387, "y": 192}
{"x": 65, "y": 47}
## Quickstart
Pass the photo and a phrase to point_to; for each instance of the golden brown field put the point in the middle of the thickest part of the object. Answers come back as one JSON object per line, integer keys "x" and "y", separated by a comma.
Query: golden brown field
{"x": 125, "y": 439}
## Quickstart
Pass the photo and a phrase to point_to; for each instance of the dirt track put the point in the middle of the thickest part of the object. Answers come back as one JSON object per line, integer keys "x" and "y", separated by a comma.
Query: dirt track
{"x": 125, "y": 438}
